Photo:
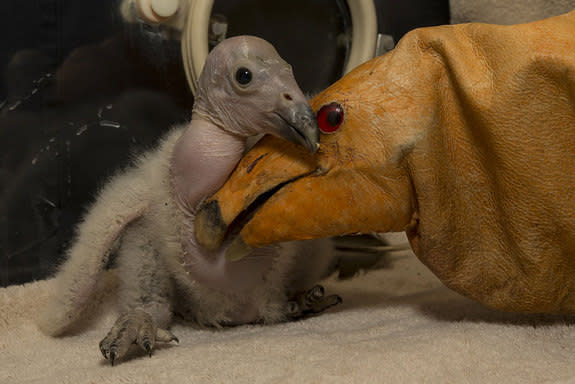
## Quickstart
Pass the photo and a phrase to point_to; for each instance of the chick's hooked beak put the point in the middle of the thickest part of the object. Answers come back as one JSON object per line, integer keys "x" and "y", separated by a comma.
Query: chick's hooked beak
{"x": 296, "y": 122}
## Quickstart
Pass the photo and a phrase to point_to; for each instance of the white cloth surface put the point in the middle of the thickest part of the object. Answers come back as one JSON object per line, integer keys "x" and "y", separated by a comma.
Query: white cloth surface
{"x": 506, "y": 11}
{"x": 396, "y": 325}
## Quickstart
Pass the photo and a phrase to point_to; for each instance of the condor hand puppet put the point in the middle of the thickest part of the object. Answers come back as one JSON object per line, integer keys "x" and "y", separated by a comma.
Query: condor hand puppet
{"x": 463, "y": 136}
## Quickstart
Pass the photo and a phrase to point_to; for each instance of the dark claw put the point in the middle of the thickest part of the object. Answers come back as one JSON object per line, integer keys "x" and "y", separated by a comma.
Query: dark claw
{"x": 103, "y": 350}
{"x": 148, "y": 348}
{"x": 112, "y": 357}
{"x": 293, "y": 307}
{"x": 176, "y": 340}
{"x": 318, "y": 291}
{"x": 327, "y": 303}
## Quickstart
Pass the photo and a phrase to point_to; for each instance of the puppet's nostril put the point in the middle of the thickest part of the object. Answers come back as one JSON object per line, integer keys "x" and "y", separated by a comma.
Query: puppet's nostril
{"x": 287, "y": 96}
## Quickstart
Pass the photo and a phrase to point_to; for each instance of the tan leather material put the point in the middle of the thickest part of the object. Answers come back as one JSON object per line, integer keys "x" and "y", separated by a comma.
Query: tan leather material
{"x": 464, "y": 136}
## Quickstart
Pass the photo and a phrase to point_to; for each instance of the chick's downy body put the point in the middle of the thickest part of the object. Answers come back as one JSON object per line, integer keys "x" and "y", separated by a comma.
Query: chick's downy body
{"x": 145, "y": 215}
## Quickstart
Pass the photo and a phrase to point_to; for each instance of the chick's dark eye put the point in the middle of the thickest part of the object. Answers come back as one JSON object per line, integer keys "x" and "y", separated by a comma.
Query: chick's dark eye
{"x": 243, "y": 76}
{"x": 330, "y": 117}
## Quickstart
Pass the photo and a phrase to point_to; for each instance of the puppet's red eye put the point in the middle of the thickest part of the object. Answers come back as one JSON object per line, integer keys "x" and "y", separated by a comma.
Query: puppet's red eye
{"x": 330, "y": 117}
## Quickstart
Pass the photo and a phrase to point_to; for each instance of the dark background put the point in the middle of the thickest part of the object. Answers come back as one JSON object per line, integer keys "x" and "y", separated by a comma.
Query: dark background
{"x": 81, "y": 92}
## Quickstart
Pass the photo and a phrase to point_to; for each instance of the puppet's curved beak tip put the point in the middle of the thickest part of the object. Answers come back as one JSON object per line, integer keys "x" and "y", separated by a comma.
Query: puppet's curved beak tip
{"x": 210, "y": 231}
{"x": 209, "y": 226}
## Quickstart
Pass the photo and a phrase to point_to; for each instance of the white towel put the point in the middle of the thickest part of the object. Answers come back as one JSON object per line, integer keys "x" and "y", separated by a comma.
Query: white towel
{"x": 506, "y": 11}
{"x": 397, "y": 325}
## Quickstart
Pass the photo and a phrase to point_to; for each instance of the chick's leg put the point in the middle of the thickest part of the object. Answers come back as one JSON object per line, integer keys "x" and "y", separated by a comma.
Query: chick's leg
{"x": 311, "y": 262}
{"x": 145, "y": 295}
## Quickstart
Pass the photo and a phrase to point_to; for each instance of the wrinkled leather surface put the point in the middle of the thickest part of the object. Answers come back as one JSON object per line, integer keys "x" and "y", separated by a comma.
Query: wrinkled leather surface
{"x": 464, "y": 136}
{"x": 494, "y": 180}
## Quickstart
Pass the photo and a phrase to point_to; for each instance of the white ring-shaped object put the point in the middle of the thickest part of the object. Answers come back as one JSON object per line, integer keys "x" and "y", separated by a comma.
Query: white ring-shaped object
{"x": 195, "y": 40}
{"x": 364, "y": 32}
{"x": 195, "y": 36}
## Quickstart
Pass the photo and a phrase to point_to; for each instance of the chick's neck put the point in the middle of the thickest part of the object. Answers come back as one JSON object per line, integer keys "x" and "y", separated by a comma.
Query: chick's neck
{"x": 202, "y": 160}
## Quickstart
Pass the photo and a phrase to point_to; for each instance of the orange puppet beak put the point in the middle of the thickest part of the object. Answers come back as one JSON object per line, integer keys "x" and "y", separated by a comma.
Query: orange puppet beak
{"x": 280, "y": 192}
{"x": 267, "y": 168}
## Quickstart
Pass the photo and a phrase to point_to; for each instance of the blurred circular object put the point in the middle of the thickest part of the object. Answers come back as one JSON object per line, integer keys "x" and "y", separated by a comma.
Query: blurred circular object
{"x": 322, "y": 39}
{"x": 164, "y": 8}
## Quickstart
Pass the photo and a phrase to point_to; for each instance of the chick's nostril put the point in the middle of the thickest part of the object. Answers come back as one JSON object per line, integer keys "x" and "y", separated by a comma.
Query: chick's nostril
{"x": 287, "y": 96}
